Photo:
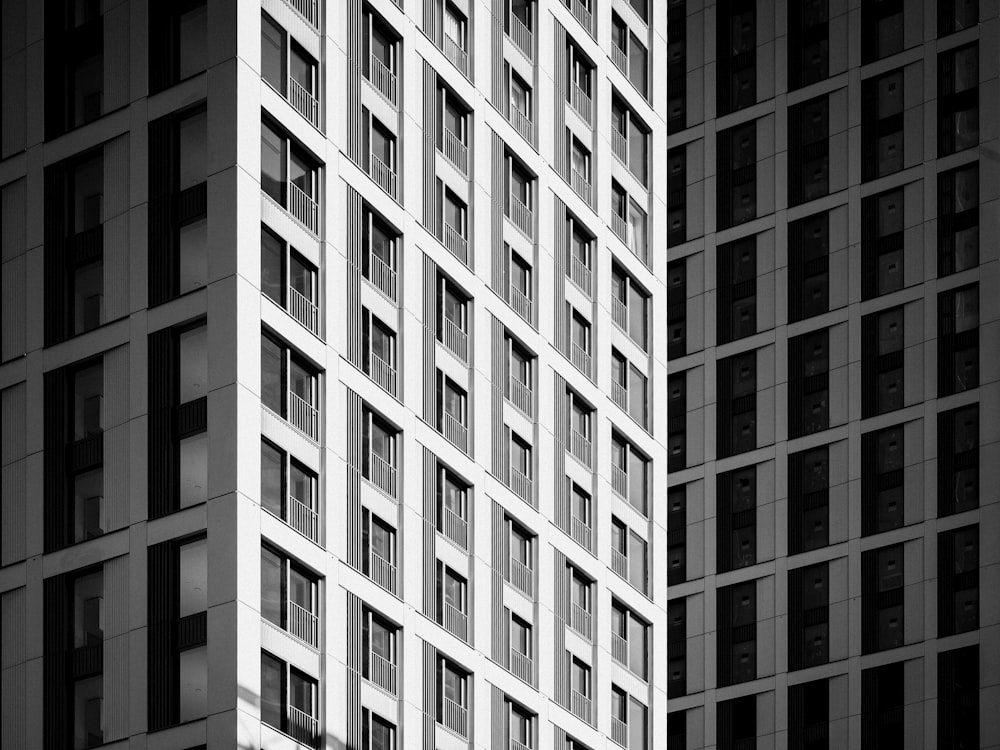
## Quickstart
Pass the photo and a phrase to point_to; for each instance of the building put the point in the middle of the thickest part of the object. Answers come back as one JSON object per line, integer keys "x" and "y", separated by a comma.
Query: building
{"x": 833, "y": 374}
{"x": 294, "y": 292}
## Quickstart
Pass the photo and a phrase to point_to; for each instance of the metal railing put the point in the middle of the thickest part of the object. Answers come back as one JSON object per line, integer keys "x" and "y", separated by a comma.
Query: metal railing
{"x": 619, "y": 649}
{"x": 582, "y": 14}
{"x": 303, "y": 208}
{"x": 455, "y": 621}
{"x": 383, "y": 79}
{"x": 619, "y": 731}
{"x": 455, "y": 242}
{"x": 580, "y": 447}
{"x": 580, "y": 184}
{"x": 516, "y": 745}
{"x": 521, "y": 122}
{"x": 580, "y": 275}
{"x": 303, "y": 310}
{"x": 382, "y": 373}
{"x": 619, "y": 563}
{"x": 456, "y": 151}
{"x": 521, "y": 666}
{"x": 580, "y": 620}
{"x": 308, "y": 9}
{"x": 382, "y": 672}
{"x": 620, "y": 227}
{"x": 303, "y": 624}
{"x": 580, "y": 532}
{"x": 580, "y": 705}
{"x": 521, "y": 35}
{"x": 456, "y": 528}
{"x": 381, "y": 571}
{"x": 522, "y": 216}
{"x": 382, "y": 276}
{"x": 456, "y": 717}
{"x": 521, "y": 577}
{"x": 619, "y": 394}
{"x": 580, "y": 101}
{"x": 383, "y": 175}
{"x": 619, "y": 146}
{"x": 520, "y": 484}
{"x": 619, "y": 480}
{"x": 455, "y": 339}
{"x": 303, "y": 416}
{"x": 619, "y": 313}
{"x": 520, "y": 396}
{"x": 520, "y": 303}
{"x": 302, "y": 518}
{"x": 382, "y": 474}
{"x": 580, "y": 358}
{"x": 455, "y": 52}
{"x": 456, "y": 432}
{"x": 620, "y": 58}
{"x": 302, "y": 727}
{"x": 303, "y": 101}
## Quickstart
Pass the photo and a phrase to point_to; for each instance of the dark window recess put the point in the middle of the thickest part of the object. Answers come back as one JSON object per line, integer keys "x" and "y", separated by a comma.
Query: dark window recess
{"x": 958, "y": 99}
{"x": 955, "y": 15}
{"x": 178, "y": 42}
{"x": 881, "y": 244}
{"x": 881, "y": 600}
{"x": 808, "y": 616}
{"x": 809, "y": 715}
{"x": 737, "y": 175}
{"x": 677, "y": 421}
{"x": 808, "y": 267}
{"x": 736, "y": 724}
{"x": 882, "y": 707}
{"x": 676, "y": 196}
{"x": 882, "y": 455}
{"x": 958, "y": 460}
{"x": 958, "y": 699}
{"x": 882, "y": 347}
{"x": 958, "y": 340}
{"x": 958, "y": 580}
{"x": 737, "y": 406}
{"x": 881, "y": 29}
{"x": 737, "y": 633}
{"x": 676, "y": 66}
{"x": 677, "y": 648}
{"x": 737, "y": 519}
{"x": 737, "y": 295}
{"x": 808, "y": 150}
{"x": 808, "y": 383}
{"x": 676, "y": 535}
{"x": 676, "y": 309}
{"x": 74, "y": 65}
{"x": 808, "y": 43}
{"x": 882, "y": 125}
{"x": 677, "y": 730}
{"x": 809, "y": 500}
{"x": 958, "y": 219}
{"x": 736, "y": 48}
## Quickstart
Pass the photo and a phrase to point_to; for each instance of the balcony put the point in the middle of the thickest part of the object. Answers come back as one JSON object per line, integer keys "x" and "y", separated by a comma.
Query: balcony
{"x": 455, "y": 432}
{"x": 456, "y": 622}
{"x": 619, "y": 649}
{"x": 521, "y": 35}
{"x": 303, "y": 624}
{"x": 580, "y": 275}
{"x": 580, "y": 447}
{"x": 520, "y": 303}
{"x": 521, "y": 577}
{"x": 382, "y": 79}
{"x": 457, "y": 54}
{"x": 455, "y": 339}
{"x": 580, "y": 358}
{"x": 308, "y": 9}
{"x": 619, "y": 732}
{"x": 580, "y": 184}
{"x": 619, "y": 313}
{"x": 619, "y": 481}
{"x": 520, "y": 396}
{"x": 455, "y": 242}
{"x": 303, "y": 208}
{"x": 455, "y": 717}
{"x": 382, "y": 276}
{"x": 619, "y": 564}
{"x": 382, "y": 474}
{"x": 382, "y": 572}
{"x": 580, "y": 531}
{"x": 303, "y": 310}
{"x": 302, "y": 518}
{"x": 619, "y": 394}
{"x": 521, "y": 666}
{"x": 579, "y": 620}
{"x": 302, "y": 727}
{"x": 522, "y": 123}
{"x": 580, "y": 705}
{"x": 303, "y": 416}
{"x": 382, "y": 373}
{"x": 619, "y": 146}
{"x": 456, "y": 151}
{"x": 304, "y": 102}
{"x": 582, "y": 14}
{"x": 620, "y": 58}
{"x": 520, "y": 484}
{"x": 382, "y": 672}
{"x": 580, "y": 101}
{"x": 522, "y": 217}
{"x": 383, "y": 175}
{"x": 455, "y": 528}
{"x": 620, "y": 227}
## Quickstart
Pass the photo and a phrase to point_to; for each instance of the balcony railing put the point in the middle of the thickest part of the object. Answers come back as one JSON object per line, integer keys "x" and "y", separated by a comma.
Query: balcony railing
{"x": 619, "y": 731}
{"x": 382, "y": 672}
{"x": 455, "y": 339}
{"x": 303, "y": 416}
{"x": 581, "y": 359}
{"x": 382, "y": 474}
{"x": 522, "y": 216}
{"x": 455, "y": 242}
{"x": 580, "y": 705}
{"x": 619, "y": 146}
{"x": 302, "y": 518}
{"x": 520, "y": 303}
{"x": 521, "y": 35}
{"x": 382, "y": 373}
{"x": 303, "y": 208}
{"x": 521, "y": 666}
{"x": 302, "y": 727}
{"x": 620, "y": 58}
{"x": 456, "y": 432}
{"x": 619, "y": 394}
{"x": 382, "y": 572}
{"x": 383, "y": 175}
{"x": 521, "y": 577}
{"x": 580, "y": 447}
{"x": 620, "y": 227}
{"x": 520, "y": 396}
{"x": 579, "y": 100}
{"x": 619, "y": 313}
{"x": 456, "y": 717}
{"x": 619, "y": 649}
{"x": 455, "y": 621}
{"x": 383, "y": 79}
{"x": 521, "y": 122}
{"x": 303, "y": 310}
{"x": 382, "y": 276}
{"x": 579, "y": 620}
{"x": 455, "y": 151}
{"x": 520, "y": 484}
{"x": 580, "y": 184}
{"x": 580, "y": 532}
{"x": 456, "y": 528}
{"x": 516, "y": 745}
{"x": 308, "y": 9}
{"x": 583, "y": 15}
{"x": 580, "y": 275}
{"x": 303, "y": 101}
{"x": 619, "y": 563}
{"x": 303, "y": 624}
{"x": 619, "y": 480}
{"x": 454, "y": 52}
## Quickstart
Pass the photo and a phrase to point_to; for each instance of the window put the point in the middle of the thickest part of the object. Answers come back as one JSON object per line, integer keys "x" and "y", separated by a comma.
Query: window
{"x": 809, "y": 383}
{"x": 629, "y": 472}
{"x": 676, "y": 535}
{"x": 809, "y": 150}
{"x": 630, "y": 639}
{"x": 520, "y": 649}
{"x": 453, "y": 323}
{"x": 958, "y": 340}
{"x": 178, "y": 37}
{"x": 809, "y": 619}
{"x": 619, "y": 715}
{"x": 808, "y": 43}
{"x": 958, "y": 460}
{"x": 455, "y": 45}
{"x": 74, "y": 65}
{"x": 882, "y": 361}
{"x": 882, "y": 249}
{"x": 737, "y": 636}
{"x": 737, "y": 407}
{"x": 628, "y": 554}
{"x": 519, "y": 381}
{"x": 676, "y": 196}
{"x": 581, "y": 437}
{"x": 520, "y": 286}
{"x": 677, "y": 730}
{"x": 809, "y": 500}
{"x": 882, "y": 29}
{"x": 579, "y": 92}
{"x": 455, "y": 122}
{"x": 579, "y": 157}
{"x": 452, "y": 412}
{"x": 380, "y": 67}
{"x": 520, "y": 468}
{"x": 380, "y": 733}
{"x": 521, "y": 25}
{"x": 379, "y": 453}
{"x": 288, "y": 596}
{"x": 882, "y": 699}
{"x": 580, "y": 687}
{"x": 638, "y": 60}
{"x": 289, "y": 175}
{"x": 736, "y": 723}
{"x": 808, "y": 267}
{"x": 288, "y": 490}
{"x": 882, "y": 457}
{"x": 958, "y": 219}
{"x": 958, "y": 99}
{"x": 809, "y": 715}
{"x": 579, "y": 602}
{"x": 520, "y": 198}
{"x": 882, "y": 599}
{"x": 288, "y": 68}
{"x": 677, "y": 421}
{"x": 521, "y": 559}
{"x": 379, "y": 539}
{"x": 379, "y": 262}
{"x": 628, "y": 304}
{"x": 958, "y": 580}
{"x": 520, "y": 110}
{"x": 379, "y": 651}
{"x": 737, "y": 295}
{"x": 453, "y": 614}
{"x": 676, "y": 66}
{"x": 958, "y": 698}
{"x": 737, "y": 55}
{"x": 288, "y": 386}
{"x": 580, "y": 510}
{"x": 955, "y": 15}
{"x": 676, "y": 309}
{"x": 737, "y": 519}
{"x": 882, "y": 125}
{"x": 453, "y": 507}
{"x": 288, "y": 700}
{"x": 676, "y": 648}
{"x": 455, "y": 698}
{"x": 521, "y": 727}
{"x": 737, "y": 166}
{"x": 580, "y": 342}
{"x": 288, "y": 279}
{"x": 455, "y": 224}
{"x": 382, "y": 156}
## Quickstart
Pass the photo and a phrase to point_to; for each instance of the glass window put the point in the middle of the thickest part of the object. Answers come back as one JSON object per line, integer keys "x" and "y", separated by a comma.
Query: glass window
{"x": 382, "y": 640}
{"x": 88, "y": 712}
{"x": 301, "y": 483}
{"x": 88, "y": 193}
{"x": 88, "y": 401}
{"x": 88, "y": 296}
{"x": 381, "y": 734}
{"x": 382, "y": 540}
{"x": 300, "y": 172}
{"x": 272, "y": 163}
{"x": 193, "y": 345}
{"x": 300, "y": 692}
{"x": 638, "y": 155}
{"x": 272, "y": 53}
{"x": 520, "y": 96}
{"x": 272, "y": 469}
{"x": 382, "y": 46}
{"x": 383, "y": 145}
{"x": 193, "y": 683}
{"x": 301, "y": 67}
{"x": 193, "y": 577}
{"x": 88, "y": 504}
{"x": 88, "y": 610}
{"x": 193, "y": 151}
{"x": 192, "y": 31}
{"x": 88, "y": 89}
{"x": 272, "y": 679}
{"x": 272, "y": 262}
{"x": 193, "y": 465}
{"x": 454, "y": 591}
{"x": 193, "y": 255}
{"x": 271, "y": 586}
{"x": 272, "y": 361}
{"x": 636, "y": 229}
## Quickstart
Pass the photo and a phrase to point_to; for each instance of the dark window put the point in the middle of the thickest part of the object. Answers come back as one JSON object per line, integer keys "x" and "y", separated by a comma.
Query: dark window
{"x": 736, "y": 724}
{"x": 737, "y": 294}
{"x": 288, "y": 596}
{"x": 882, "y": 125}
{"x": 808, "y": 150}
{"x": 958, "y": 340}
{"x": 882, "y": 599}
{"x": 677, "y": 535}
{"x": 288, "y": 490}
{"x": 736, "y": 49}
{"x": 882, "y": 692}
{"x": 677, "y": 421}
{"x": 676, "y": 196}
{"x": 808, "y": 42}
{"x": 808, "y": 616}
{"x": 958, "y": 219}
{"x": 677, "y": 648}
{"x": 958, "y": 580}
{"x": 955, "y": 15}
{"x": 737, "y": 175}
{"x": 178, "y": 42}
{"x": 737, "y": 633}
{"x": 881, "y": 244}
{"x": 676, "y": 66}
{"x": 677, "y": 730}
{"x": 737, "y": 519}
{"x": 289, "y": 700}
{"x": 74, "y": 64}
{"x": 808, "y": 267}
{"x": 958, "y": 460}
{"x": 881, "y": 29}
{"x": 809, "y": 500}
{"x": 882, "y": 456}
{"x": 676, "y": 309}
{"x": 958, "y": 99}
{"x": 288, "y": 385}
{"x": 882, "y": 347}
{"x": 958, "y": 699}
{"x": 737, "y": 406}
{"x": 809, "y": 715}
{"x": 809, "y": 383}
{"x": 379, "y": 253}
